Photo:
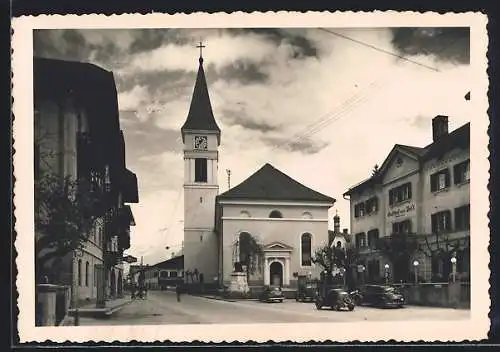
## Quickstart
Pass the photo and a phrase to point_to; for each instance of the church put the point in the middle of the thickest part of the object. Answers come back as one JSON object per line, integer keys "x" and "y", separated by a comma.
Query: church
{"x": 287, "y": 219}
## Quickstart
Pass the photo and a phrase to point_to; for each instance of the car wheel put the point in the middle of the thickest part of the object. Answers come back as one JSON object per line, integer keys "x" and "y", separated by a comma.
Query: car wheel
{"x": 351, "y": 307}
{"x": 318, "y": 306}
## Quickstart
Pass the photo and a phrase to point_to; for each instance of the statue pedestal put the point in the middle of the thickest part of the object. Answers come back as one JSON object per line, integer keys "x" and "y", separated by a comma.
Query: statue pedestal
{"x": 239, "y": 284}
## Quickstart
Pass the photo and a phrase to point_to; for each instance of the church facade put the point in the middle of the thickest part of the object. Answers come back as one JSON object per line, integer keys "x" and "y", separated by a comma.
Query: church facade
{"x": 287, "y": 219}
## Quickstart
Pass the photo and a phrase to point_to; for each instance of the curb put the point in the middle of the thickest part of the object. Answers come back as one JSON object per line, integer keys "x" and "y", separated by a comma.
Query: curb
{"x": 113, "y": 310}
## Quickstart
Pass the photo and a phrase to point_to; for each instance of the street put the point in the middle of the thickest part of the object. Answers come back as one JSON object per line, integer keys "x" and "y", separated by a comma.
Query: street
{"x": 161, "y": 307}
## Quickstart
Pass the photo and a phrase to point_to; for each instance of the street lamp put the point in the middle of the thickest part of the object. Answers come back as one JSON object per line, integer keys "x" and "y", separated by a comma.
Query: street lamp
{"x": 454, "y": 267}
{"x": 386, "y": 274}
{"x": 415, "y": 264}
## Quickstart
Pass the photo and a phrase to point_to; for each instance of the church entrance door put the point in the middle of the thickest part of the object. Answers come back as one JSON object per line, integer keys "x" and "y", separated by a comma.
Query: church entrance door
{"x": 276, "y": 274}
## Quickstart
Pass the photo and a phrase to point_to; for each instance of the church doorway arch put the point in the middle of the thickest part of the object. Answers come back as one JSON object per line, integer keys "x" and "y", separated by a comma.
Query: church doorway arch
{"x": 276, "y": 274}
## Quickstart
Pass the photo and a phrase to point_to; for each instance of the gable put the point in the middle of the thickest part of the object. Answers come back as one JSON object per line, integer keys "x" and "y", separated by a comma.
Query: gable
{"x": 399, "y": 163}
{"x": 277, "y": 246}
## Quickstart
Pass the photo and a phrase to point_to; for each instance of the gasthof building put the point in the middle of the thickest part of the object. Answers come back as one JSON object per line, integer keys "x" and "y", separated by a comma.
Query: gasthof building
{"x": 423, "y": 192}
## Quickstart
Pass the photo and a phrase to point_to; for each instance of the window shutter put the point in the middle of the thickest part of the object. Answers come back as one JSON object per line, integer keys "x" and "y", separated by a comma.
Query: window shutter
{"x": 356, "y": 211}
{"x": 433, "y": 223}
{"x": 391, "y": 196}
{"x": 447, "y": 178}
{"x": 409, "y": 190}
{"x": 456, "y": 174}
{"x": 433, "y": 183}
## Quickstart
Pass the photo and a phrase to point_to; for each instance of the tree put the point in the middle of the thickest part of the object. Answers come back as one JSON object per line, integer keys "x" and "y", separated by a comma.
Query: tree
{"x": 442, "y": 249}
{"x": 250, "y": 252}
{"x": 399, "y": 248}
{"x": 330, "y": 257}
{"x": 65, "y": 211}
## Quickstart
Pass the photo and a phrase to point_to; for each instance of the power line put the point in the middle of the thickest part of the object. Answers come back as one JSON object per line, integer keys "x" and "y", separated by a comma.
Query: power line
{"x": 379, "y": 49}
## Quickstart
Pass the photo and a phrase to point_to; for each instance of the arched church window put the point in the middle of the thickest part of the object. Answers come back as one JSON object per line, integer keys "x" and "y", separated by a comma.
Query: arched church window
{"x": 275, "y": 214}
{"x": 307, "y": 215}
{"x": 245, "y": 214}
{"x": 305, "y": 241}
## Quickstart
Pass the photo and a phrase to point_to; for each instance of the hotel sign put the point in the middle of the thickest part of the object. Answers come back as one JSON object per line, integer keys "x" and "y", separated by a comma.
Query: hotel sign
{"x": 401, "y": 211}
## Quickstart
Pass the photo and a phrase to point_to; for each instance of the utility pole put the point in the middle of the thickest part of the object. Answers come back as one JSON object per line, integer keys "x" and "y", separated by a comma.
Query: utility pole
{"x": 228, "y": 178}
{"x": 142, "y": 261}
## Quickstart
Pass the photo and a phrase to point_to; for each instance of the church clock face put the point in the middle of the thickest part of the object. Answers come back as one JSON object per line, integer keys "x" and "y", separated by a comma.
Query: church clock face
{"x": 200, "y": 142}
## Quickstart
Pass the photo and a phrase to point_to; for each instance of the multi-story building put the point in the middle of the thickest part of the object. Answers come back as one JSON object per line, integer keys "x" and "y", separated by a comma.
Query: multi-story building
{"x": 422, "y": 195}
{"x": 164, "y": 274}
{"x": 77, "y": 136}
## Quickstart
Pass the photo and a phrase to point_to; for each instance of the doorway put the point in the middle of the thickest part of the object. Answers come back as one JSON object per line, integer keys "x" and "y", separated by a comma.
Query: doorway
{"x": 276, "y": 274}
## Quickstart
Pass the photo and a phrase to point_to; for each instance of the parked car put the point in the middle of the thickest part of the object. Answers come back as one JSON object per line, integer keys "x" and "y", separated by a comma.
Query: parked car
{"x": 272, "y": 294}
{"x": 381, "y": 296}
{"x": 335, "y": 298}
{"x": 306, "y": 292}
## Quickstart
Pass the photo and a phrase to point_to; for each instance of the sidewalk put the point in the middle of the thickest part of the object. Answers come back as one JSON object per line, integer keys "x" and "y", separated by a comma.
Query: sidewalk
{"x": 90, "y": 310}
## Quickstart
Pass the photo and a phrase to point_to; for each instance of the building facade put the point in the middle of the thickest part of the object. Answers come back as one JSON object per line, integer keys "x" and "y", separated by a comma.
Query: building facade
{"x": 77, "y": 136}
{"x": 288, "y": 219}
{"x": 423, "y": 196}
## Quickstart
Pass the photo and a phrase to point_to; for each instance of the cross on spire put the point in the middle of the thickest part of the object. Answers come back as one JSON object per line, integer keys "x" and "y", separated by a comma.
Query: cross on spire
{"x": 201, "y": 46}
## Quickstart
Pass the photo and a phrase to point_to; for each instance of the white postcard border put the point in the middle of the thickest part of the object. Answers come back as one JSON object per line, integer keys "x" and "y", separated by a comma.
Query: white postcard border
{"x": 22, "y": 64}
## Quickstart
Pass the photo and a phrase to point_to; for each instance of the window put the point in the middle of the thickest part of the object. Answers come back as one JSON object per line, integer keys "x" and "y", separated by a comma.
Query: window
{"x": 173, "y": 274}
{"x": 401, "y": 227}
{"x": 440, "y": 180}
{"x": 441, "y": 221}
{"x": 79, "y": 272}
{"x": 359, "y": 210}
{"x": 373, "y": 236}
{"x": 306, "y": 249}
{"x": 461, "y": 172}
{"x": 245, "y": 214}
{"x": 95, "y": 275}
{"x": 200, "y": 170}
{"x": 155, "y": 274}
{"x": 275, "y": 214}
{"x": 372, "y": 205}
{"x": 164, "y": 274}
{"x": 87, "y": 274}
{"x": 360, "y": 240}
{"x": 400, "y": 194}
{"x": 462, "y": 217}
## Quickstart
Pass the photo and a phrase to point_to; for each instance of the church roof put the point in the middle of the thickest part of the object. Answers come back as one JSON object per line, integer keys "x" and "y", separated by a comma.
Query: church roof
{"x": 200, "y": 116}
{"x": 269, "y": 183}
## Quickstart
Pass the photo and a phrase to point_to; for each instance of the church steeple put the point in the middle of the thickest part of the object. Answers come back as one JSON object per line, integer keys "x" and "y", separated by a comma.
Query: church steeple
{"x": 200, "y": 116}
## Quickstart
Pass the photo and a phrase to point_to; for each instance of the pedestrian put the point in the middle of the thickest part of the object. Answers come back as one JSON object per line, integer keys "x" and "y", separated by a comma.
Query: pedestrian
{"x": 178, "y": 292}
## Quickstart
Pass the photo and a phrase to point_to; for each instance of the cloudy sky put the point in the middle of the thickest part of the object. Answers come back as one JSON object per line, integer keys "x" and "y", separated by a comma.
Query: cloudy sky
{"x": 322, "y": 105}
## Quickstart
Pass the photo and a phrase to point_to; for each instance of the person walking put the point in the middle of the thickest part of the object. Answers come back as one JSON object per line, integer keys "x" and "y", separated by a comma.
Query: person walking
{"x": 178, "y": 292}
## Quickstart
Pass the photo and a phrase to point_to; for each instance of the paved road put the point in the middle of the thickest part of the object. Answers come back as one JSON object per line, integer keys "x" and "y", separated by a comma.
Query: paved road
{"x": 161, "y": 307}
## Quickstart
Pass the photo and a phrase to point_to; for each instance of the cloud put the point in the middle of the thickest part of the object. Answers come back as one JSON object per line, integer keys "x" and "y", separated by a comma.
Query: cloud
{"x": 445, "y": 44}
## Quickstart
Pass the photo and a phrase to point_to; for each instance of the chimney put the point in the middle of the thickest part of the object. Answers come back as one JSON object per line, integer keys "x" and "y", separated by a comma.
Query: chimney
{"x": 439, "y": 127}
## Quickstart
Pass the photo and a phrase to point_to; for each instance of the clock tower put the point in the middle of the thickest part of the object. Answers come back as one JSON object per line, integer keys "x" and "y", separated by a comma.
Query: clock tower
{"x": 201, "y": 139}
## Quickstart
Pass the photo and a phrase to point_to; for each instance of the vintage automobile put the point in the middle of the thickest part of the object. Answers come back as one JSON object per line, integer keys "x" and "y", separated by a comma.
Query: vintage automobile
{"x": 306, "y": 292}
{"x": 335, "y": 298}
{"x": 272, "y": 294}
{"x": 381, "y": 296}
